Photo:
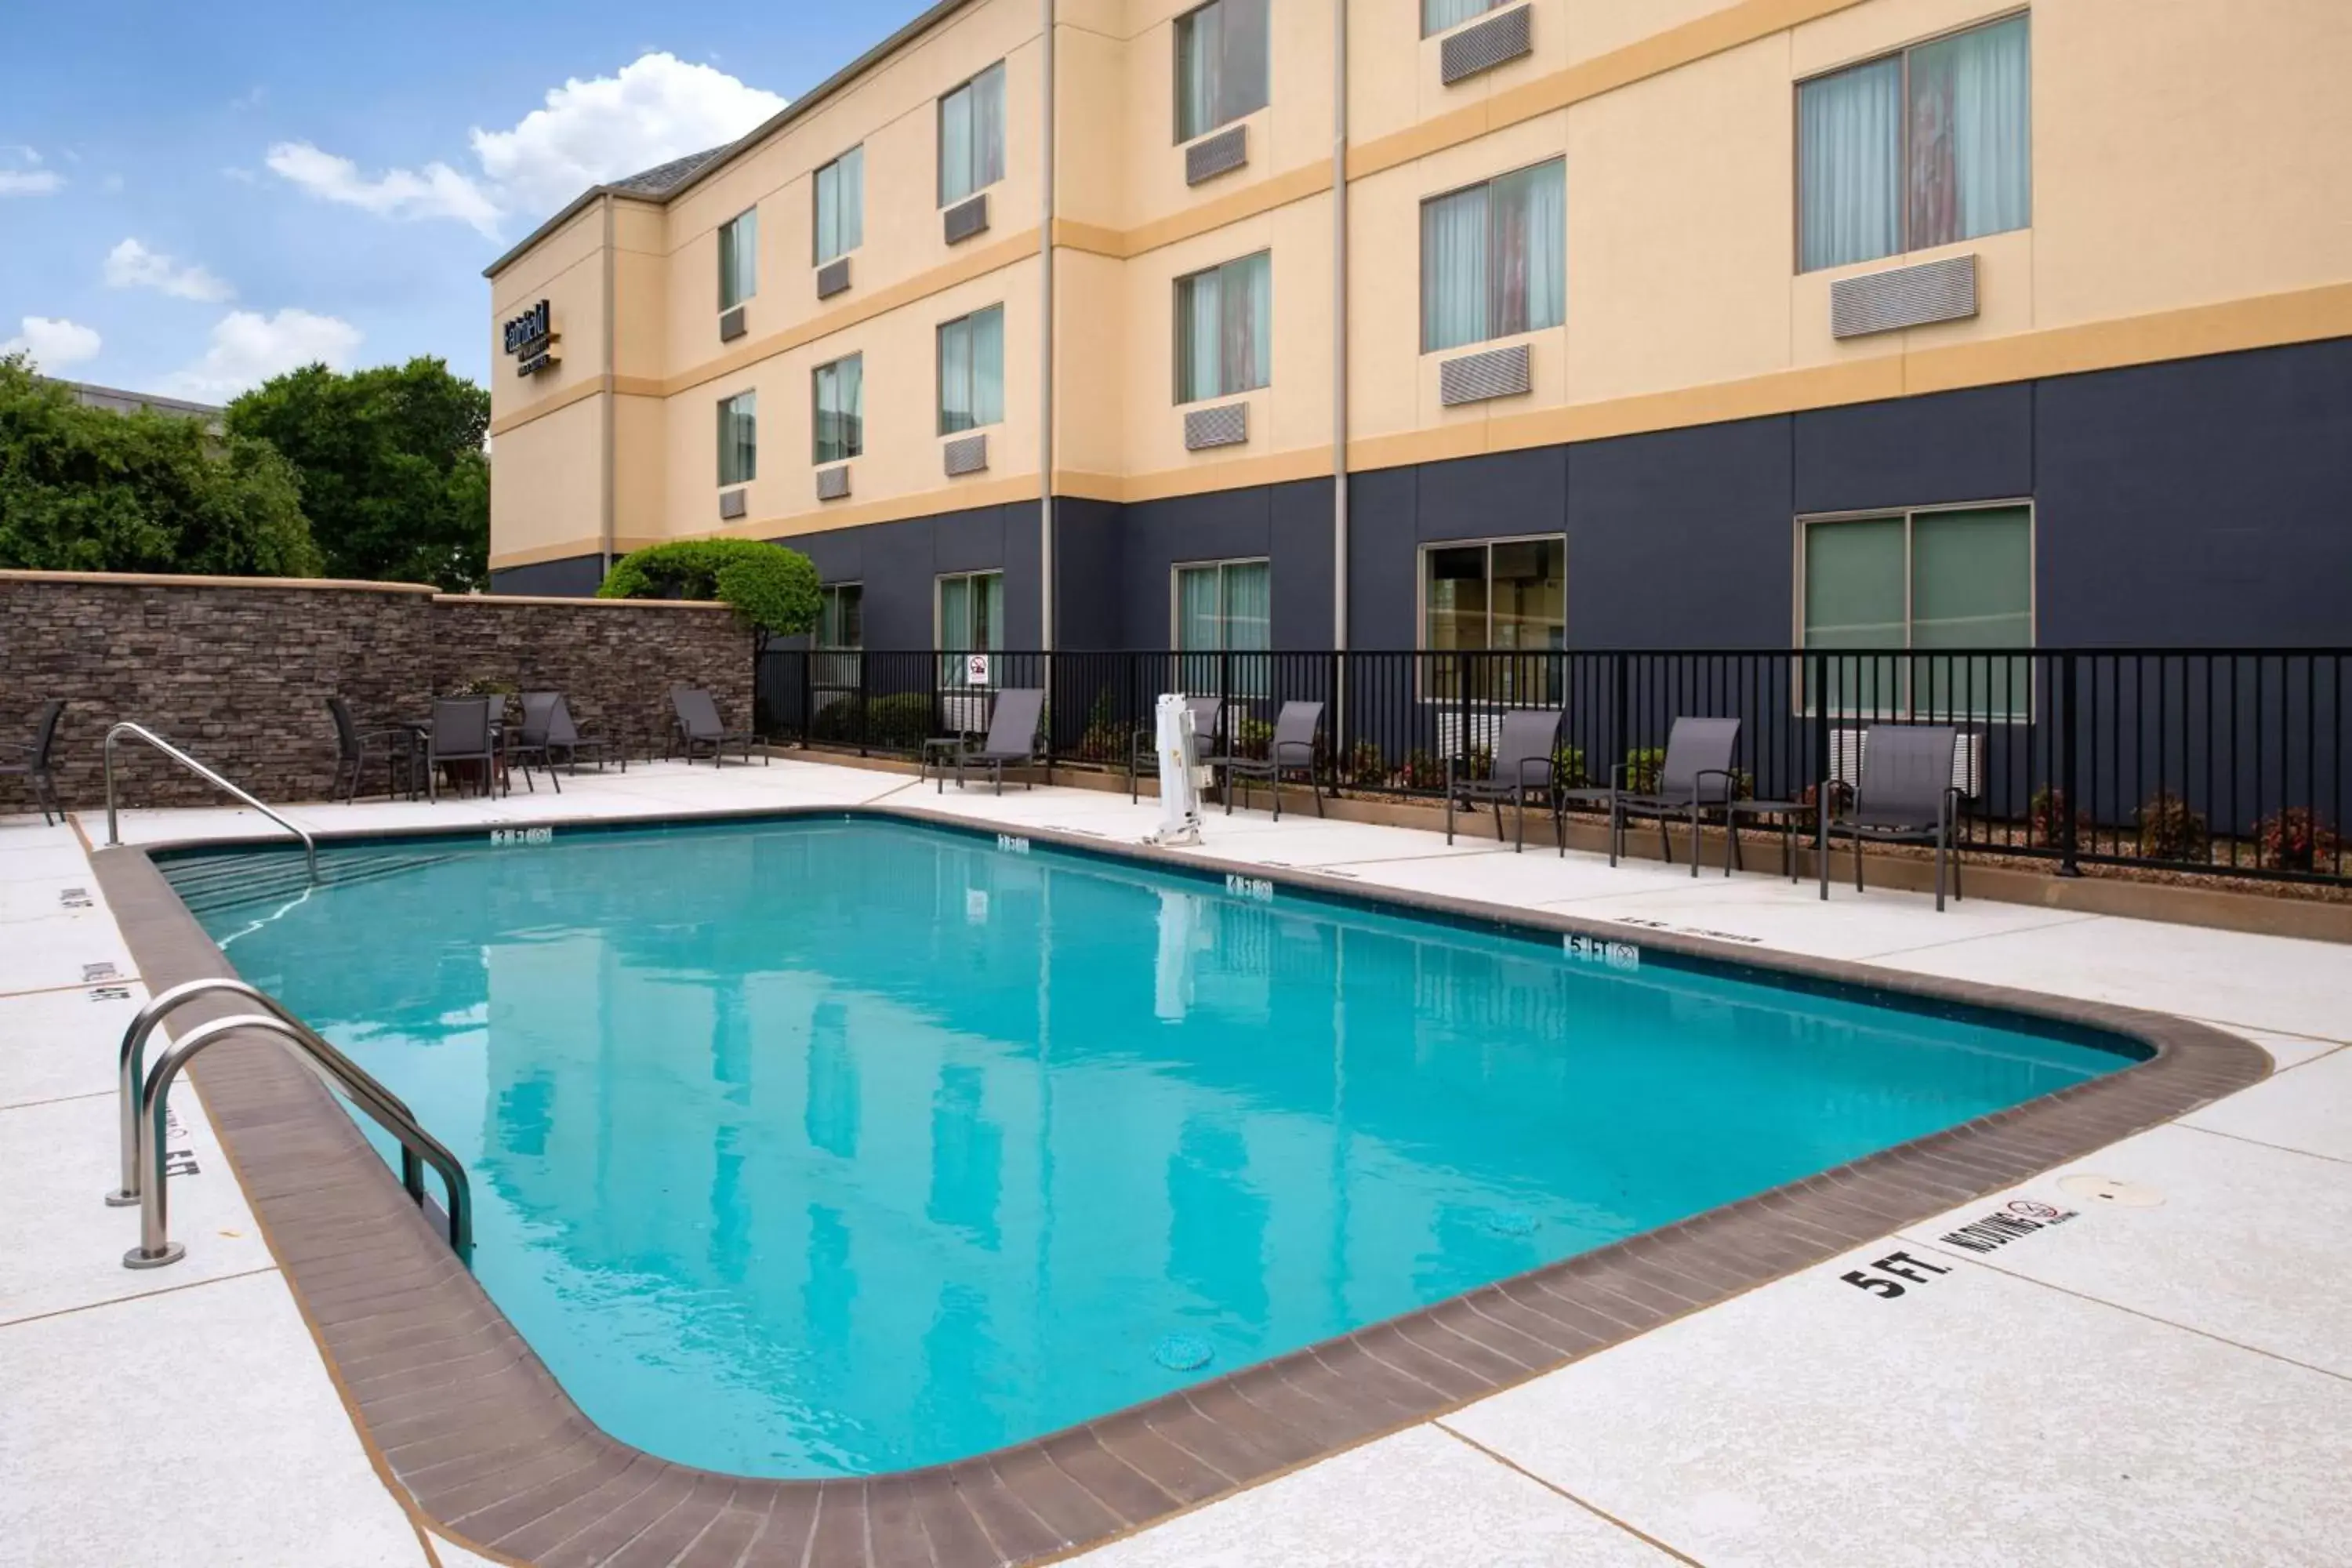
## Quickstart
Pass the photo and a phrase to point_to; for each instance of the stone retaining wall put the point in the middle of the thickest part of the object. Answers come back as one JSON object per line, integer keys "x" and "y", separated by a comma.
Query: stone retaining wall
{"x": 237, "y": 671}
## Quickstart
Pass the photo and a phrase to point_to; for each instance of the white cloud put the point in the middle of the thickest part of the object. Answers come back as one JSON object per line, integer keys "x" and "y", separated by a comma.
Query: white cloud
{"x": 655, "y": 108}
{"x": 131, "y": 265}
{"x": 29, "y": 182}
{"x": 248, "y": 348}
{"x": 54, "y": 344}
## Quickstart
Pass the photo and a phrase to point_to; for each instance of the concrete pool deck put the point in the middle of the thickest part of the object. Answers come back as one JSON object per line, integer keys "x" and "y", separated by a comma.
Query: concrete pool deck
{"x": 2166, "y": 1383}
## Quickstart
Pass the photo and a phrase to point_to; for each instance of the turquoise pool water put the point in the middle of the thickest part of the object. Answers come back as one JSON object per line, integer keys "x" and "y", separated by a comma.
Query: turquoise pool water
{"x": 828, "y": 1147}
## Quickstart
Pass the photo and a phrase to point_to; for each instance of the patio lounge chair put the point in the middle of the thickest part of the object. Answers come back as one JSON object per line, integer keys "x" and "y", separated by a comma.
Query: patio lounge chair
{"x": 1522, "y": 762}
{"x": 1208, "y": 719}
{"x": 1693, "y": 779}
{"x": 1292, "y": 750}
{"x": 1906, "y": 796}
{"x": 464, "y": 730}
{"x": 356, "y": 749}
{"x": 548, "y": 731}
{"x": 1013, "y": 723}
{"x": 697, "y": 725}
{"x": 31, "y": 762}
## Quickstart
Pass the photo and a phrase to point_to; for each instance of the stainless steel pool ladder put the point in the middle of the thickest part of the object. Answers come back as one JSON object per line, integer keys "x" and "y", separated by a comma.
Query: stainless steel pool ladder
{"x": 143, "y": 1105}
{"x": 141, "y": 732}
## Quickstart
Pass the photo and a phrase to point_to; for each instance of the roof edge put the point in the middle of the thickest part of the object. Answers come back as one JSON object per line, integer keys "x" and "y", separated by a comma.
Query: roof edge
{"x": 806, "y": 103}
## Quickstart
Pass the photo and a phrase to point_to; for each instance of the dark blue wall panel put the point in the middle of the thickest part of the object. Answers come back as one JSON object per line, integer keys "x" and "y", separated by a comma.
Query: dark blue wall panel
{"x": 1088, "y": 541}
{"x": 1300, "y": 547}
{"x": 1383, "y": 544}
{"x": 2204, "y": 501}
{"x": 1976, "y": 444}
{"x": 574, "y": 577}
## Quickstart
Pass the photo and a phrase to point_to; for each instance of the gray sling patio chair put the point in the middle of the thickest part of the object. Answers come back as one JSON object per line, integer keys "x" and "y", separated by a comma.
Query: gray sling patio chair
{"x": 464, "y": 730}
{"x": 1522, "y": 762}
{"x": 1905, "y": 796}
{"x": 31, "y": 762}
{"x": 696, "y": 724}
{"x": 548, "y": 732}
{"x": 1291, "y": 750}
{"x": 1014, "y": 722}
{"x": 1695, "y": 779}
{"x": 1208, "y": 724}
{"x": 357, "y": 750}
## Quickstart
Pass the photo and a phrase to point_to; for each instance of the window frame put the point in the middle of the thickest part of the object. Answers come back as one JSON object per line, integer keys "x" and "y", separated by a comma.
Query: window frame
{"x": 816, "y": 410}
{"x": 1255, "y": 677}
{"x": 726, "y": 244}
{"x": 1421, "y": 239}
{"x": 828, "y": 596}
{"x": 939, "y": 372}
{"x": 940, "y": 134}
{"x": 1804, "y": 702}
{"x": 1177, "y": 333}
{"x": 940, "y": 580}
{"x": 1902, "y": 52}
{"x": 816, "y": 253}
{"x": 1426, "y": 655}
{"x": 1428, "y": 32}
{"x": 1176, "y": 74}
{"x": 725, "y": 405}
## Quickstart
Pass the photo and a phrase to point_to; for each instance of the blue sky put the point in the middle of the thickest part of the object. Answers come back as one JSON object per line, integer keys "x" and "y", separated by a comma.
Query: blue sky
{"x": 194, "y": 197}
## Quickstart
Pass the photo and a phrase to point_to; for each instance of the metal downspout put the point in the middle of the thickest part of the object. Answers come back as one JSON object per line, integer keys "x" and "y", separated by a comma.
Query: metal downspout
{"x": 1045, "y": 367}
{"x": 1340, "y": 329}
{"x": 604, "y": 542}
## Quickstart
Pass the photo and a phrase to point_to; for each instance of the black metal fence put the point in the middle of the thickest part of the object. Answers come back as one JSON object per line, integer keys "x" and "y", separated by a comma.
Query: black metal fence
{"x": 2210, "y": 761}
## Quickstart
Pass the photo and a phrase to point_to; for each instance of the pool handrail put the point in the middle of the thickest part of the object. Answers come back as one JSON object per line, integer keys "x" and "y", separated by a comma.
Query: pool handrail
{"x": 141, "y": 732}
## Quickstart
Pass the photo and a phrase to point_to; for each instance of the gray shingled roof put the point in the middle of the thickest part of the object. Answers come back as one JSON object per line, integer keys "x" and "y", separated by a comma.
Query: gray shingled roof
{"x": 663, "y": 178}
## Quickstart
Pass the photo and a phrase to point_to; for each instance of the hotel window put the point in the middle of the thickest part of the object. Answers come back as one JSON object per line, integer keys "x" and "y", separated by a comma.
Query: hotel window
{"x": 738, "y": 259}
{"x": 972, "y": 370}
{"x": 739, "y": 439}
{"x": 1927, "y": 147}
{"x": 840, "y": 403}
{"x": 1221, "y": 65}
{"x": 1436, "y": 15}
{"x": 1223, "y": 608}
{"x": 1495, "y": 596}
{"x": 841, "y": 615}
{"x": 971, "y": 616}
{"x": 841, "y": 205}
{"x": 971, "y": 136}
{"x": 1225, "y": 329}
{"x": 1936, "y": 582}
{"x": 1493, "y": 258}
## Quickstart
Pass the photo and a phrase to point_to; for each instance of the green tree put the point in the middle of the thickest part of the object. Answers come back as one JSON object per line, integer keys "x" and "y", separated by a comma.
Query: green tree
{"x": 85, "y": 489}
{"x": 394, "y": 480}
{"x": 775, "y": 590}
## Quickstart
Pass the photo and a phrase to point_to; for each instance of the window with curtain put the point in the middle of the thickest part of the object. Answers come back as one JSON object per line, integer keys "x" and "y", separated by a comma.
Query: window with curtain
{"x": 1225, "y": 607}
{"x": 739, "y": 439}
{"x": 1221, "y": 65}
{"x": 1436, "y": 15}
{"x": 970, "y": 620}
{"x": 972, "y": 370}
{"x": 738, "y": 259}
{"x": 971, "y": 136}
{"x": 1493, "y": 258}
{"x": 841, "y": 615}
{"x": 841, "y": 205}
{"x": 840, "y": 403}
{"x": 1926, "y": 581}
{"x": 1225, "y": 329}
{"x": 1495, "y": 596}
{"x": 1927, "y": 147}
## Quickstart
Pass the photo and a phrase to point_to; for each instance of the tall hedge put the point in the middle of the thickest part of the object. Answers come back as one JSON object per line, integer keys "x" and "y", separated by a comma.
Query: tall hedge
{"x": 773, "y": 590}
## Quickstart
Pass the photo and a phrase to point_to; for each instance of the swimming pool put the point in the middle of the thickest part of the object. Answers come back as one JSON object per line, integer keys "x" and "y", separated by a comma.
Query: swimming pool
{"x": 830, "y": 1147}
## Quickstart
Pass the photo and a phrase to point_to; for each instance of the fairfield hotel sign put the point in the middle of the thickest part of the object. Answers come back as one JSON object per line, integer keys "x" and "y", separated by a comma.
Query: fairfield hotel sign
{"x": 530, "y": 340}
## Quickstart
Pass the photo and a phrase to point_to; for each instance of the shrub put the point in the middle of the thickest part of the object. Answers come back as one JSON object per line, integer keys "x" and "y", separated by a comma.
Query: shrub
{"x": 2169, "y": 830}
{"x": 2045, "y": 818}
{"x": 1366, "y": 768}
{"x": 1103, "y": 740}
{"x": 1253, "y": 735}
{"x": 773, "y": 591}
{"x": 1568, "y": 766}
{"x": 2297, "y": 839}
{"x": 900, "y": 723}
{"x": 1644, "y": 766}
{"x": 1422, "y": 771}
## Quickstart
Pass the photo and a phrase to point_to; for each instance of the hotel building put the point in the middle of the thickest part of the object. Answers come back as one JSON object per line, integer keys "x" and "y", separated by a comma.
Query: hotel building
{"x": 1446, "y": 323}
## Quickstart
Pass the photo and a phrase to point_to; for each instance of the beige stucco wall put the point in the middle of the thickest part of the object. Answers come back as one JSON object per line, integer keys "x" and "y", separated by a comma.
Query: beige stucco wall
{"x": 2189, "y": 157}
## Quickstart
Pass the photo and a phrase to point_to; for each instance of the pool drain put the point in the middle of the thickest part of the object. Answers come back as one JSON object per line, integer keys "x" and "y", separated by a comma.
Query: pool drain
{"x": 1183, "y": 1352}
{"x": 1510, "y": 1221}
{"x": 2110, "y": 1190}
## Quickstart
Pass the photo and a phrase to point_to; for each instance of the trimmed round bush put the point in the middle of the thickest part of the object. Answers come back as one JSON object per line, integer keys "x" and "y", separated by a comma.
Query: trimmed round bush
{"x": 772, "y": 590}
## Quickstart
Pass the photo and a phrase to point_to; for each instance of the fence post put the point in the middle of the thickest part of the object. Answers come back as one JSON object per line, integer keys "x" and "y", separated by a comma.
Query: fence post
{"x": 808, "y": 693}
{"x": 2068, "y": 801}
{"x": 1618, "y": 740}
{"x": 865, "y": 701}
{"x": 1341, "y": 750}
{"x": 1820, "y": 681}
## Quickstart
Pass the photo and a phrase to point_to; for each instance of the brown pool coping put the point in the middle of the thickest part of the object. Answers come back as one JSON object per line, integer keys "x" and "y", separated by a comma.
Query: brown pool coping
{"x": 458, "y": 1411}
